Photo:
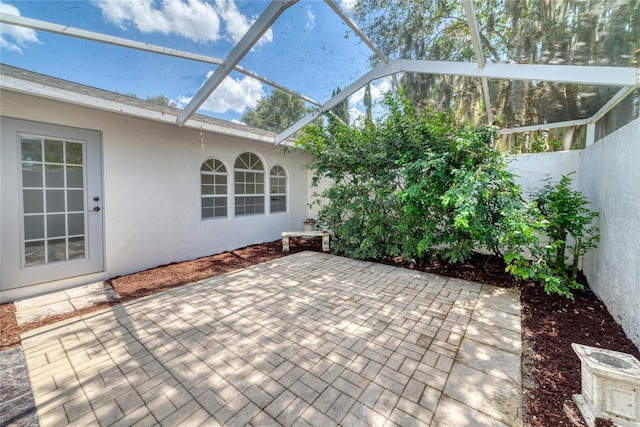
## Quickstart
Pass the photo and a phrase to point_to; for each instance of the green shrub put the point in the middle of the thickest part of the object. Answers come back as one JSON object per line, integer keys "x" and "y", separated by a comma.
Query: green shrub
{"x": 415, "y": 184}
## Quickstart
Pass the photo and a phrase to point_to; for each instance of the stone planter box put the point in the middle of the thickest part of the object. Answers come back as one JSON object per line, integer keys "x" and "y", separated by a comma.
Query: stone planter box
{"x": 610, "y": 386}
{"x": 309, "y": 225}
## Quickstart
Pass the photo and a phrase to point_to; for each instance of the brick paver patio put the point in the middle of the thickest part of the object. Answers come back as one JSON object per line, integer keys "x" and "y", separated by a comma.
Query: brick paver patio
{"x": 308, "y": 339}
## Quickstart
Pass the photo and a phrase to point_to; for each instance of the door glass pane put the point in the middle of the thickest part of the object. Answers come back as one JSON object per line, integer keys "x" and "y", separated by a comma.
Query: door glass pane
{"x": 76, "y": 224}
{"x": 31, "y": 175}
{"x": 74, "y": 177}
{"x": 75, "y": 200}
{"x": 32, "y": 200}
{"x": 34, "y": 253}
{"x": 53, "y": 151}
{"x": 55, "y": 225}
{"x": 55, "y": 200}
{"x": 31, "y": 150}
{"x": 54, "y": 217}
{"x": 54, "y": 176}
{"x": 34, "y": 227}
{"x": 74, "y": 153}
{"x": 56, "y": 250}
{"x": 76, "y": 247}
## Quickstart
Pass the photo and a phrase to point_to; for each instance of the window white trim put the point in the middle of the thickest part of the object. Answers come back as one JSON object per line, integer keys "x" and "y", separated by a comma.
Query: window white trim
{"x": 249, "y": 185}
{"x": 214, "y": 189}
{"x": 278, "y": 190}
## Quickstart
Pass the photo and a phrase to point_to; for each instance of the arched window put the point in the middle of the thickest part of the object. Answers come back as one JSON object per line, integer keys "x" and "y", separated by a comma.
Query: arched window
{"x": 249, "y": 177}
{"x": 213, "y": 189}
{"x": 278, "y": 189}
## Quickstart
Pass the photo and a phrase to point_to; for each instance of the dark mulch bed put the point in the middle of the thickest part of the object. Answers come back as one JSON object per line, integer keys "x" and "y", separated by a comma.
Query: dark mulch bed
{"x": 551, "y": 370}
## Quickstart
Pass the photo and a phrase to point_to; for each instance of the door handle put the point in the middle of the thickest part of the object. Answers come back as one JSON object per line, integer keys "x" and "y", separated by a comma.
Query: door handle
{"x": 96, "y": 209}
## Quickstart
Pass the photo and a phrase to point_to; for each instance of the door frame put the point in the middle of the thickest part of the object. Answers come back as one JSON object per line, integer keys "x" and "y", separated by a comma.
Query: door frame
{"x": 12, "y": 273}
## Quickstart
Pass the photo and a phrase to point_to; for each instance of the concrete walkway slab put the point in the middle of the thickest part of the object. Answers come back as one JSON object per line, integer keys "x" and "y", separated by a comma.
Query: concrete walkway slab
{"x": 308, "y": 339}
{"x": 32, "y": 309}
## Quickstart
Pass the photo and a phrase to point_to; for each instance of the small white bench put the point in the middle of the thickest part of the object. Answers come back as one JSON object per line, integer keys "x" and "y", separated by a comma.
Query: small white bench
{"x": 305, "y": 234}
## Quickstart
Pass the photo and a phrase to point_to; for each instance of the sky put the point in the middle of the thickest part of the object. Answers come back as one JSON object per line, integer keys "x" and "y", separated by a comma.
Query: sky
{"x": 308, "y": 49}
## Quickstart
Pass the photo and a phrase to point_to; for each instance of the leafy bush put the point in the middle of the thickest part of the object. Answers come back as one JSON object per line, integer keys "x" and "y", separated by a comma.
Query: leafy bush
{"x": 566, "y": 222}
{"x": 416, "y": 184}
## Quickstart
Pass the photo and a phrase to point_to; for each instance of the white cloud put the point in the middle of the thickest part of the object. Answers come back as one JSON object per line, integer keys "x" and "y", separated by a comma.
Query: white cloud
{"x": 193, "y": 19}
{"x": 356, "y": 116}
{"x": 348, "y": 4}
{"x": 236, "y": 23}
{"x": 20, "y": 36}
{"x": 377, "y": 90}
{"x": 196, "y": 20}
{"x": 232, "y": 94}
{"x": 311, "y": 20}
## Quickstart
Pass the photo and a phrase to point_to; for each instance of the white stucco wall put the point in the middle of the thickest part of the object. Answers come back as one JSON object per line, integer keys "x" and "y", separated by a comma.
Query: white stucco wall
{"x": 608, "y": 175}
{"x": 610, "y": 179}
{"x": 533, "y": 169}
{"x": 152, "y": 189}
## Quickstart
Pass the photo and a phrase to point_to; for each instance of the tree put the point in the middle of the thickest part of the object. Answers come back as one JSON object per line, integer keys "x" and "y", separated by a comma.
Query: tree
{"x": 342, "y": 109}
{"x": 368, "y": 101}
{"x": 593, "y": 32}
{"x": 416, "y": 183}
{"x": 161, "y": 100}
{"x": 276, "y": 112}
{"x": 411, "y": 182}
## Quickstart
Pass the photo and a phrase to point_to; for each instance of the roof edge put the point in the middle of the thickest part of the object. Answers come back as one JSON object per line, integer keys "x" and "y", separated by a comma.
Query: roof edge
{"x": 28, "y": 82}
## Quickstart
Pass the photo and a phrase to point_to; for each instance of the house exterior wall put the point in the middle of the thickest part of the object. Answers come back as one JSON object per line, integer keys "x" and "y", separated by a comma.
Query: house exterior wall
{"x": 610, "y": 179}
{"x": 151, "y": 208}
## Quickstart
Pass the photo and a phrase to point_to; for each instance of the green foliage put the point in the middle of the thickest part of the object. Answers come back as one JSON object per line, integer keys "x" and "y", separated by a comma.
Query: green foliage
{"x": 276, "y": 112}
{"x": 342, "y": 109}
{"x": 568, "y": 218}
{"x": 412, "y": 182}
{"x": 524, "y": 31}
{"x": 567, "y": 224}
{"x": 415, "y": 183}
{"x": 161, "y": 100}
{"x": 368, "y": 102}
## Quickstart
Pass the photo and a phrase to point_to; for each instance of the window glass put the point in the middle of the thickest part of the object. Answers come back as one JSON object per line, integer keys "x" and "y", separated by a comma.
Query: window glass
{"x": 53, "y": 196}
{"x": 278, "y": 189}
{"x": 213, "y": 189}
{"x": 249, "y": 185}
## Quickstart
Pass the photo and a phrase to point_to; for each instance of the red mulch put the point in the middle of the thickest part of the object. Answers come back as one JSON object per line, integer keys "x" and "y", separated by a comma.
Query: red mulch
{"x": 551, "y": 370}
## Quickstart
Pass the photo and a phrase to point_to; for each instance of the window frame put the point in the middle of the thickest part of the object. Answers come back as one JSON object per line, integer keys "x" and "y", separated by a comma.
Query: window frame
{"x": 282, "y": 189}
{"x": 246, "y": 189}
{"x": 216, "y": 170}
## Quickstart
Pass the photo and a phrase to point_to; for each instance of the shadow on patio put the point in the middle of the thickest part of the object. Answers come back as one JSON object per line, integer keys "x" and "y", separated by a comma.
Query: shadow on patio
{"x": 309, "y": 339}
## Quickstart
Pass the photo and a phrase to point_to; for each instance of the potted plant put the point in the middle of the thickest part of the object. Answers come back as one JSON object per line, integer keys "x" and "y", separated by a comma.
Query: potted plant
{"x": 309, "y": 224}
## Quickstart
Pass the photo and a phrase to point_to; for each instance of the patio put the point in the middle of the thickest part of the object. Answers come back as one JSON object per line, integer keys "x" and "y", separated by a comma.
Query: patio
{"x": 309, "y": 339}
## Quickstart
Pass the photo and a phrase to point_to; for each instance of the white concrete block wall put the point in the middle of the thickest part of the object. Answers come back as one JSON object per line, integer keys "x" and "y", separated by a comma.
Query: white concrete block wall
{"x": 533, "y": 169}
{"x": 152, "y": 189}
{"x": 608, "y": 175}
{"x": 610, "y": 179}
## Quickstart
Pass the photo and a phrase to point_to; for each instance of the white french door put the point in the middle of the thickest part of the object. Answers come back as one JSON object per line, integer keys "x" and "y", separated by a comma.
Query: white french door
{"x": 52, "y": 219}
